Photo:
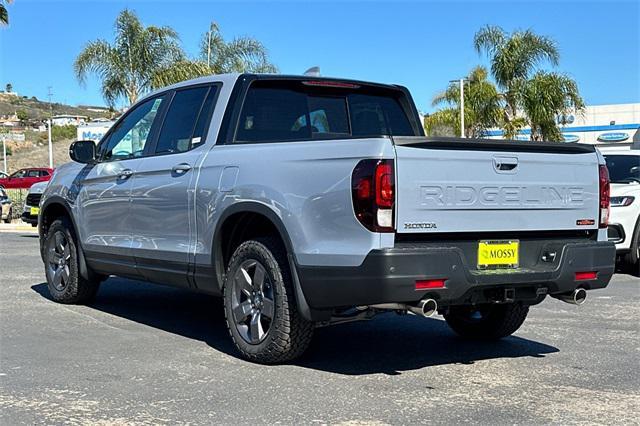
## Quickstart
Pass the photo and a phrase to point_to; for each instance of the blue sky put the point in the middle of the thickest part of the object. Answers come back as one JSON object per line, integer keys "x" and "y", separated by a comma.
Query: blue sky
{"x": 421, "y": 45}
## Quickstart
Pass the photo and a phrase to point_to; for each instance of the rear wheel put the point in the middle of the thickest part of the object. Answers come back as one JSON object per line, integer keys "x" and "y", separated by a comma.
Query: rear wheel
{"x": 61, "y": 266}
{"x": 486, "y": 322}
{"x": 260, "y": 307}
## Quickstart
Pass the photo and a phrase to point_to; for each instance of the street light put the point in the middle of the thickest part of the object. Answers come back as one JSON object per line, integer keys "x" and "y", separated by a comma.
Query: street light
{"x": 461, "y": 81}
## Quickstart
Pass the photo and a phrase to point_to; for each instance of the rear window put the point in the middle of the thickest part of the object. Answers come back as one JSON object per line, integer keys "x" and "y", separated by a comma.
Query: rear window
{"x": 278, "y": 111}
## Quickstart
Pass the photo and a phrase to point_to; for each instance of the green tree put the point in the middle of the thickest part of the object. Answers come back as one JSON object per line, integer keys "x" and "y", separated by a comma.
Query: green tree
{"x": 22, "y": 115}
{"x": 218, "y": 56}
{"x": 482, "y": 106}
{"x": 126, "y": 66}
{"x": 4, "y": 15}
{"x": 544, "y": 96}
{"x": 540, "y": 96}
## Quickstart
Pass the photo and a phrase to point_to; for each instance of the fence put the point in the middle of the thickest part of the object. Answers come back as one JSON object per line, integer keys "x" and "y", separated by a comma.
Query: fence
{"x": 18, "y": 196}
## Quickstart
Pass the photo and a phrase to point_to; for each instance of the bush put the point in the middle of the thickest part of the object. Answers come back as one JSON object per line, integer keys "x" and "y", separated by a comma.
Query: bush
{"x": 60, "y": 133}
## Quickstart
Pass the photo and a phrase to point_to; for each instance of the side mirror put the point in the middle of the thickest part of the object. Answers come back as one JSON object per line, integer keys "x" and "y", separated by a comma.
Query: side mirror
{"x": 83, "y": 152}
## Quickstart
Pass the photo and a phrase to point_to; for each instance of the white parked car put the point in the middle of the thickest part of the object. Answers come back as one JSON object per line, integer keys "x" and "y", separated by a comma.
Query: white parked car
{"x": 624, "y": 223}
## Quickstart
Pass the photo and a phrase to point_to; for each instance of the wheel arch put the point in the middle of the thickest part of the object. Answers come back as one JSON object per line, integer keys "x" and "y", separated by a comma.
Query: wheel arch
{"x": 245, "y": 220}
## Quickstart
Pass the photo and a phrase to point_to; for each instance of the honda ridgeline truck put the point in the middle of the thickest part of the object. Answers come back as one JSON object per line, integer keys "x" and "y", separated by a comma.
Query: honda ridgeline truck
{"x": 308, "y": 201}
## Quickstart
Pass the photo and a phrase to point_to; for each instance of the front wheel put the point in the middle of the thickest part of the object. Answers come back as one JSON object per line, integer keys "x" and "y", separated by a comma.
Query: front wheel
{"x": 486, "y": 322}
{"x": 65, "y": 283}
{"x": 260, "y": 307}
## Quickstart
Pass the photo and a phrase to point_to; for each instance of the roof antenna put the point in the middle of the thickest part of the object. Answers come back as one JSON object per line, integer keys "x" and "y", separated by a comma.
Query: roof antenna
{"x": 313, "y": 72}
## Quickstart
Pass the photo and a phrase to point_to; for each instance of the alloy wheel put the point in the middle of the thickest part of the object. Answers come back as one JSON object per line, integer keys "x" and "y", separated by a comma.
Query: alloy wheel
{"x": 252, "y": 301}
{"x": 59, "y": 258}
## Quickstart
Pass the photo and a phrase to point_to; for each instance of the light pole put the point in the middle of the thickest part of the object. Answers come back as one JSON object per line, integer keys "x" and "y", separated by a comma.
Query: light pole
{"x": 4, "y": 153}
{"x": 49, "y": 128}
{"x": 461, "y": 81}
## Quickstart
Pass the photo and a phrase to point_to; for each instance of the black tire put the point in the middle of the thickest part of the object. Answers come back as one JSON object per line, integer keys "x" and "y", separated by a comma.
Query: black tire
{"x": 61, "y": 266}
{"x": 633, "y": 257}
{"x": 486, "y": 322}
{"x": 249, "y": 303}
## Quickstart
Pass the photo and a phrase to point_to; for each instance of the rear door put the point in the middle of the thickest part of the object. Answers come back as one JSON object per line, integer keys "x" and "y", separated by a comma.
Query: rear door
{"x": 162, "y": 198}
{"x": 462, "y": 187}
{"x": 105, "y": 188}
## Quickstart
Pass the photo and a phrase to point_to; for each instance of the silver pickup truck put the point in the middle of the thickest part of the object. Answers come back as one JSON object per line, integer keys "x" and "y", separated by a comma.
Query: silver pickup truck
{"x": 308, "y": 201}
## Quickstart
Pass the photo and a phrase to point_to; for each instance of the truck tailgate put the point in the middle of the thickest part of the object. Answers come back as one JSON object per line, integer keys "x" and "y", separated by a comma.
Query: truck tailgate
{"x": 457, "y": 186}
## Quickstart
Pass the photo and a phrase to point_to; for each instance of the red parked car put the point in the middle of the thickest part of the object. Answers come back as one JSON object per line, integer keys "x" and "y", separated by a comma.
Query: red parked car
{"x": 24, "y": 178}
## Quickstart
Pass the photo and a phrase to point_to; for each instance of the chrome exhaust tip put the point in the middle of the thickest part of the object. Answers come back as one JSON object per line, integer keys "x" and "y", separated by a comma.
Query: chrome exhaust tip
{"x": 425, "y": 308}
{"x": 577, "y": 297}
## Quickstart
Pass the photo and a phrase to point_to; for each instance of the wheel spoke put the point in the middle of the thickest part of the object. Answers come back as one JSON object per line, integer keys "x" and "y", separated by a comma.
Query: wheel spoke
{"x": 255, "y": 328}
{"x": 258, "y": 277}
{"x": 67, "y": 252}
{"x": 57, "y": 277}
{"x": 65, "y": 274}
{"x": 242, "y": 311}
{"x": 268, "y": 308}
{"x": 244, "y": 281}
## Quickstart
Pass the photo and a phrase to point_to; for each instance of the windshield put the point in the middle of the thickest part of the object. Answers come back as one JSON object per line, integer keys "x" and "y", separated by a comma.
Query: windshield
{"x": 623, "y": 168}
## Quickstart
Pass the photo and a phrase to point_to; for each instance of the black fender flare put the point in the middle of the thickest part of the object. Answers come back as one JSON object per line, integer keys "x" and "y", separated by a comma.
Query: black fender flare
{"x": 254, "y": 207}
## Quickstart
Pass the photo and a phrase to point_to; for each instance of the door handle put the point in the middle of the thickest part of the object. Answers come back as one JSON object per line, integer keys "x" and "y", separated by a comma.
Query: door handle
{"x": 125, "y": 174}
{"x": 180, "y": 169}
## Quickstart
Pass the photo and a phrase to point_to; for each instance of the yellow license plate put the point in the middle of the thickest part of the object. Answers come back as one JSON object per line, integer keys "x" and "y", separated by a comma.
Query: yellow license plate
{"x": 498, "y": 254}
{"x": 35, "y": 211}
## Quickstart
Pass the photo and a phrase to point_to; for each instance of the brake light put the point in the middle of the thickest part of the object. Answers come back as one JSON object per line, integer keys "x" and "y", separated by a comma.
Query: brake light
{"x": 373, "y": 194}
{"x": 605, "y": 201}
{"x": 329, "y": 83}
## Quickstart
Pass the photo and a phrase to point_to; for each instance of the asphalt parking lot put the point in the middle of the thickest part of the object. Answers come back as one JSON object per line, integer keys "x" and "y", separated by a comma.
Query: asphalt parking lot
{"x": 145, "y": 354}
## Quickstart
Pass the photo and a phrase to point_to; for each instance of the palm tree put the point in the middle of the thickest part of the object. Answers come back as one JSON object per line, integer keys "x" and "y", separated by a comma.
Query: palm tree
{"x": 544, "y": 96}
{"x": 127, "y": 66}
{"x": 539, "y": 95}
{"x": 4, "y": 15}
{"x": 217, "y": 56}
{"x": 513, "y": 58}
{"x": 482, "y": 106}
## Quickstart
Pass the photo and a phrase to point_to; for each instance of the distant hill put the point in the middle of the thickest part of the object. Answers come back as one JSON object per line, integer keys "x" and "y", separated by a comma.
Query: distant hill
{"x": 39, "y": 110}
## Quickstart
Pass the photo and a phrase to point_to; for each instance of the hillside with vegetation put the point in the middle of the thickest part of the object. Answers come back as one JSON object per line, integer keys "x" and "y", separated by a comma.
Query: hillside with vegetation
{"x": 33, "y": 109}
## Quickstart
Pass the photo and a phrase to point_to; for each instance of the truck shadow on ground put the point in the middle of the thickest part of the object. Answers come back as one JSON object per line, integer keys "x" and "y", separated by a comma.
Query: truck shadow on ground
{"x": 388, "y": 344}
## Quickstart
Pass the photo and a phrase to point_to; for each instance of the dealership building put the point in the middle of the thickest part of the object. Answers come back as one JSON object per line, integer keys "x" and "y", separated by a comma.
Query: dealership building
{"x": 596, "y": 124}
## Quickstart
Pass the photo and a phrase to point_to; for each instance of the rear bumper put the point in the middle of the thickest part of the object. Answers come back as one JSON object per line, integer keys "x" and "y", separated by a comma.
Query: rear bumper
{"x": 26, "y": 217}
{"x": 389, "y": 276}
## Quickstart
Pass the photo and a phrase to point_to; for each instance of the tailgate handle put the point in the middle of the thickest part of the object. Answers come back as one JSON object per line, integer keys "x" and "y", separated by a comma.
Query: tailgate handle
{"x": 505, "y": 164}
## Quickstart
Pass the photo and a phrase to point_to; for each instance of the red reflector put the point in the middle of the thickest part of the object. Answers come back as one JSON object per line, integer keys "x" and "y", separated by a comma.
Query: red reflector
{"x": 384, "y": 185}
{"x": 426, "y": 284}
{"x": 584, "y": 276}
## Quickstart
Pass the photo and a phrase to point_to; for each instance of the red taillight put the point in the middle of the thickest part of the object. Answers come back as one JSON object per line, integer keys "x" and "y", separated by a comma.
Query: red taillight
{"x": 429, "y": 284}
{"x": 373, "y": 194}
{"x": 384, "y": 185}
{"x": 586, "y": 276}
{"x": 605, "y": 196}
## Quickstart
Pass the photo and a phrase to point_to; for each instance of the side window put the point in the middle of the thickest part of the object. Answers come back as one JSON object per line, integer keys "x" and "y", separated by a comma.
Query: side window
{"x": 377, "y": 115}
{"x": 19, "y": 174}
{"x": 185, "y": 120}
{"x": 273, "y": 115}
{"x": 44, "y": 173}
{"x": 33, "y": 173}
{"x": 131, "y": 135}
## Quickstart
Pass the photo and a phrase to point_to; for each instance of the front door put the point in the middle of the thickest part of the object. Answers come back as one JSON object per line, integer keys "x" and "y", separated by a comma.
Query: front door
{"x": 105, "y": 188}
{"x": 162, "y": 198}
